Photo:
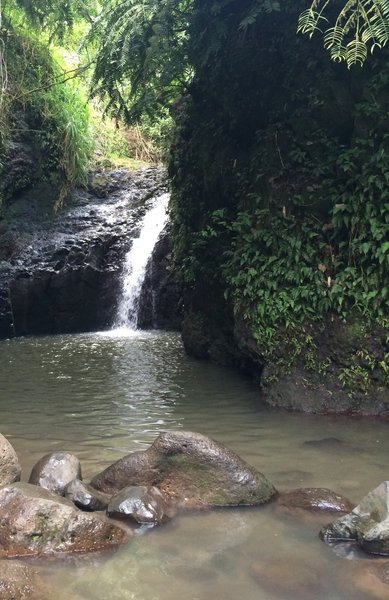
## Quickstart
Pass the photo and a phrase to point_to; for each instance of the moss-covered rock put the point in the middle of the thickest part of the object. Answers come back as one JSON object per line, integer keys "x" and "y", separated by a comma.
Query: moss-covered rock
{"x": 192, "y": 469}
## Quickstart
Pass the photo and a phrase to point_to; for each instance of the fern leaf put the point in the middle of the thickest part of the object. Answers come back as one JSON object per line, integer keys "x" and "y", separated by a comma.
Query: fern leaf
{"x": 356, "y": 52}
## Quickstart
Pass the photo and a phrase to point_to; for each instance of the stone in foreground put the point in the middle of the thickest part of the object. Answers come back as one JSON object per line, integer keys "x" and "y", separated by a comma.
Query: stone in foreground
{"x": 192, "y": 469}
{"x": 368, "y": 523}
{"x": 142, "y": 505}
{"x": 10, "y": 469}
{"x": 34, "y": 521}
{"x": 85, "y": 497}
{"x": 54, "y": 471}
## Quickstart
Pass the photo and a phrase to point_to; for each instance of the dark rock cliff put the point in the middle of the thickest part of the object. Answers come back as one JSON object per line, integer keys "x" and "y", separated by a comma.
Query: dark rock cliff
{"x": 60, "y": 273}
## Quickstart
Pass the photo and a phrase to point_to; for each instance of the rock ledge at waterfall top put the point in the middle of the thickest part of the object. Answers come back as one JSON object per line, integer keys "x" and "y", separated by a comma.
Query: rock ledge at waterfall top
{"x": 192, "y": 469}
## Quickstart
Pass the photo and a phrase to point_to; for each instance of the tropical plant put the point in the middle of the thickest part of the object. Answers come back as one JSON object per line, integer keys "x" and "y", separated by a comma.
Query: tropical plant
{"x": 360, "y": 26}
{"x": 55, "y": 17}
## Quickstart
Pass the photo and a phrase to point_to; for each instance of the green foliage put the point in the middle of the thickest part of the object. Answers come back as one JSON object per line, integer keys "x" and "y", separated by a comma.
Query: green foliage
{"x": 141, "y": 60}
{"x": 55, "y": 114}
{"x": 361, "y": 25}
{"x": 147, "y": 50}
{"x": 54, "y": 18}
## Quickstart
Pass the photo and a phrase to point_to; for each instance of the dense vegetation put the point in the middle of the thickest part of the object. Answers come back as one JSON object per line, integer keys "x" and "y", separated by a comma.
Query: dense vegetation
{"x": 278, "y": 164}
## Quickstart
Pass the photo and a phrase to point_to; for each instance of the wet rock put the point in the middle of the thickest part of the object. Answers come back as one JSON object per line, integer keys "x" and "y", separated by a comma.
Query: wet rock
{"x": 142, "y": 505}
{"x": 85, "y": 497}
{"x": 192, "y": 469}
{"x": 315, "y": 499}
{"x": 20, "y": 582}
{"x": 368, "y": 523}
{"x": 10, "y": 469}
{"x": 63, "y": 275}
{"x": 160, "y": 305}
{"x": 287, "y": 577}
{"x": 54, "y": 471}
{"x": 34, "y": 521}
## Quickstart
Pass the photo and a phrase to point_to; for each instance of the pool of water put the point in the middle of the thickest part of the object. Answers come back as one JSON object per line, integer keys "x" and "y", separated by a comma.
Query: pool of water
{"x": 104, "y": 395}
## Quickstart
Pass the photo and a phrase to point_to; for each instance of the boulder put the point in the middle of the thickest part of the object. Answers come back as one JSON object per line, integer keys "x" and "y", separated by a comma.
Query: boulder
{"x": 368, "y": 523}
{"x": 10, "y": 469}
{"x": 20, "y": 582}
{"x": 316, "y": 500}
{"x": 54, "y": 471}
{"x": 34, "y": 521}
{"x": 287, "y": 577}
{"x": 142, "y": 505}
{"x": 192, "y": 469}
{"x": 85, "y": 497}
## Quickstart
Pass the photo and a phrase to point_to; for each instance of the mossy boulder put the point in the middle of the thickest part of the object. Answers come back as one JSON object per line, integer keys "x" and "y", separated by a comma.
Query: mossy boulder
{"x": 34, "y": 521}
{"x": 192, "y": 469}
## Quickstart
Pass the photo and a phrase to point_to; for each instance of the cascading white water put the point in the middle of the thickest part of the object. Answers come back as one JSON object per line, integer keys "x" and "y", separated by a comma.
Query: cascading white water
{"x": 136, "y": 262}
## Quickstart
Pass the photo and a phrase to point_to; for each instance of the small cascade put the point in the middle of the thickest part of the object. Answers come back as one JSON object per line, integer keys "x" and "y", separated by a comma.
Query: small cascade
{"x": 135, "y": 263}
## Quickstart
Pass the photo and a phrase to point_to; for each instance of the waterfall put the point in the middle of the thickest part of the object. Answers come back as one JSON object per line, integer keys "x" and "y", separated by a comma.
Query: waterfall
{"x": 135, "y": 263}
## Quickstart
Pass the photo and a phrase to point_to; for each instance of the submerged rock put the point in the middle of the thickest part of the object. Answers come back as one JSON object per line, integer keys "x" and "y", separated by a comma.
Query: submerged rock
{"x": 54, "y": 471}
{"x": 373, "y": 581}
{"x": 287, "y": 577}
{"x": 142, "y": 505}
{"x": 316, "y": 500}
{"x": 192, "y": 469}
{"x": 368, "y": 523}
{"x": 20, "y": 582}
{"x": 10, "y": 468}
{"x": 34, "y": 521}
{"x": 85, "y": 497}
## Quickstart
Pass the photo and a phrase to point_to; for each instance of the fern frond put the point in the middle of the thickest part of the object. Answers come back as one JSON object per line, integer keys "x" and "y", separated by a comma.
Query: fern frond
{"x": 359, "y": 26}
{"x": 356, "y": 52}
{"x": 309, "y": 22}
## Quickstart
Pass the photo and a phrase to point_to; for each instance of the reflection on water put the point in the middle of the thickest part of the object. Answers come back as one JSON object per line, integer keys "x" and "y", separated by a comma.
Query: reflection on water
{"x": 104, "y": 395}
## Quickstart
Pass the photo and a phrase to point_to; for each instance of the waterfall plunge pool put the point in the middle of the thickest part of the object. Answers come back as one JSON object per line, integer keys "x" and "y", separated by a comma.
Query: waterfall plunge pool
{"x": 101, "y": 396}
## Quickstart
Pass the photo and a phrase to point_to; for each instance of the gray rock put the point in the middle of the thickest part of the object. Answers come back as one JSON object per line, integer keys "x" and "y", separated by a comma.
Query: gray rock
{"x": 368, "y": 523}
{"x": 142, "y": 505}
{"x": 10, "y": 469}
{"x": 34, "y": 521}
{"x": 85, "y": 497}
{"x": 54, "y": 471}
{"x": 192, "y": 469}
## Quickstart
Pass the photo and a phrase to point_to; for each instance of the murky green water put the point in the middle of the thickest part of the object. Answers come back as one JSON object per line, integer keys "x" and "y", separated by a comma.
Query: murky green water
{"x": 102, "y": 396}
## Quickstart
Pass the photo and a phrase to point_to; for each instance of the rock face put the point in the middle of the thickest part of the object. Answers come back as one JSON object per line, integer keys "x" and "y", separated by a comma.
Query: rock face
{"x": 84, "y": 497}
{"x": 142, "y": 505}
{"x": 33, "y": 521}
{"x": 60, "y": 273}
{"x": 10, "y": 468}
{"x": 161, "y": 297}
{"x": 368, "y": 523}
{"x": 54, "y": 471}
{"x": 190, "y": 468}
{"x": 316, "y": 500}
